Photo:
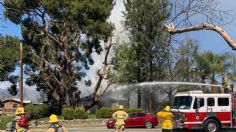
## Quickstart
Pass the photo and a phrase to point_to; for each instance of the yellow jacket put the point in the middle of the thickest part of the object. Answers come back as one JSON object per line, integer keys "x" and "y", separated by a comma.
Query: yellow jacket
{"x": 166, "y": 119}
{"x": 20, "y": 129}
{"x": 53, "y": 127}
{"x": 120, "y": 116}
{"x": 53, "y": 130}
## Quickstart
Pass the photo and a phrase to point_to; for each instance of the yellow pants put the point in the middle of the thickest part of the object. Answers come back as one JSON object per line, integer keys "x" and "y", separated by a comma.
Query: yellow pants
{"x": 120, "y": 127}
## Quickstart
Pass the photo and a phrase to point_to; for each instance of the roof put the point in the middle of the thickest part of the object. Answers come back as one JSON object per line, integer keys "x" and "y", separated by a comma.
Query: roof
{"x": 204, "y": 95}
{"x": 18, "y": 100}
{"x": 199, "y": 93}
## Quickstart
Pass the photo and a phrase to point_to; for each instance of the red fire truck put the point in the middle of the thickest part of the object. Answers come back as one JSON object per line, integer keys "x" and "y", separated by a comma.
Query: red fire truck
{"x": 195, "y": 109}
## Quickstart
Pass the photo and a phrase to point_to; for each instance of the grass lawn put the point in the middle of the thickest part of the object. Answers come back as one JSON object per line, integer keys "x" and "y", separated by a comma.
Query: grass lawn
{"x": 4, "y": 120}
{"x": 92, "y": 116}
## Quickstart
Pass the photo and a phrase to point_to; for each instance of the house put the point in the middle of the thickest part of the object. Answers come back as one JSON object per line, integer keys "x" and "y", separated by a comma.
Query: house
{"x": 14, "y": 103}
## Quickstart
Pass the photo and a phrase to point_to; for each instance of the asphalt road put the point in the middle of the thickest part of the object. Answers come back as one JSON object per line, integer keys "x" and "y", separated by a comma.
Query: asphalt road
{"x": 136, "y": 130}
{"x": 104, "y": 129}
{"x": 113, "y": 130}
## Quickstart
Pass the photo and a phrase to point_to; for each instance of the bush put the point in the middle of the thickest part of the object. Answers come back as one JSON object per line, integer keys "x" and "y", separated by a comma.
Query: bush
{"x": 77, "y": 113}
{"x": 68, "y": 113}
{"x": 4, "y": 120}
{"x": 107, "y": 112}
{"x": 37, "y": 111}
{"x": 80, "y": 113}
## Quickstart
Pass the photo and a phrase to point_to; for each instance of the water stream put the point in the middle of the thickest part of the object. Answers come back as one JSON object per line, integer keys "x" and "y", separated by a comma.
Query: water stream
{"x": 143, "y": 84}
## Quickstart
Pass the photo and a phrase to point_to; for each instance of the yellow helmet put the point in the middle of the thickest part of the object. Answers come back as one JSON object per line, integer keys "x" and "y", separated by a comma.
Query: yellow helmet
{"x": 20, "y": 111}
{"x": 53, "y": 119}
{"x": 121, "y": 107}
{"x": 167, "y": 108}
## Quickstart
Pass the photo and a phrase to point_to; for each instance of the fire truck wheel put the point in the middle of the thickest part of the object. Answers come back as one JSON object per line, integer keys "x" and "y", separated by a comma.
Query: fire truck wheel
{"x": 148, "y": 124}
{"x": 211, "y": 125}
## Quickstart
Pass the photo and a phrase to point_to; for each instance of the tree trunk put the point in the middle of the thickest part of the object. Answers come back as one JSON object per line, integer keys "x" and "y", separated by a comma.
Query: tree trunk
{"x": 149, "y": 104}
{"x": 139, "y": 97}
{"x": 139, "y": 105}
{"x": 214, "y": 89}
{"x": 91, "y": 104}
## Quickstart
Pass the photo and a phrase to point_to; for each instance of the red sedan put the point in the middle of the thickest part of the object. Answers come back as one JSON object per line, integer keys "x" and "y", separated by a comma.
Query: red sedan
{"x": 137, "y": 119}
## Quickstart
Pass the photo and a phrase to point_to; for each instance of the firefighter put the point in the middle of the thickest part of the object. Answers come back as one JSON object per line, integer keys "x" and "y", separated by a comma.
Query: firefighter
{"x": 120, "y": 116}
{"x": 23, "y": 124}
{"x": 54, "y": 125}
{"x": 166, "y": 117}
{"x": 13, "y": 125}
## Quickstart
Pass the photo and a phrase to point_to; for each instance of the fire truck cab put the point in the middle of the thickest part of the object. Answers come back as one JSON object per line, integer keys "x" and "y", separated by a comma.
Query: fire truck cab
{"x": 194, "y": 110}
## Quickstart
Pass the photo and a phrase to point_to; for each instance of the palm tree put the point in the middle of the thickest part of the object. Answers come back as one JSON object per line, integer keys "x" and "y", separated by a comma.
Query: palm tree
{"x": 211, "y": 65}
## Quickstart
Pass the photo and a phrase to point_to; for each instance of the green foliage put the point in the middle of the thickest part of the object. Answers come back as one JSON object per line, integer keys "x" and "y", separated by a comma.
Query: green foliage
{"x": 105, "y": 112}
{"x": 9, "y": 57}
{"x": 186, "y": 61}
{"x": 4, "y": 120}
{"x": 68, "y": 113}
{"x": 145, "y": 57}
{"x": 77, "y": 113}
{"x": 125, "y": 60}
{"x": 80, "y": 113}
{"x": 37, "y": 111}
{"x": 93, "y": 116}
{"x": 59, "y": 38}
{"x": 210, "y": 64}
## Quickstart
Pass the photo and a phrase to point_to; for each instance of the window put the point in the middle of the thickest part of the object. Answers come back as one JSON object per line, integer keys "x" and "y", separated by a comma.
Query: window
{"x": 14, "y": 105}
{"x": 210, "y": 102}
{"x": 182, "y": 102}
{"x": 199, "y": 102}
{"x": 223, "y": 101}
{"x": 140, "y": 115}
{"x": 132, "y": 115}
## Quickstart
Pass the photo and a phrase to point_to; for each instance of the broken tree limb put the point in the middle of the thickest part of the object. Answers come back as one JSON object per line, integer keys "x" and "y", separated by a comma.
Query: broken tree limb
{"x": 204, "y": 26}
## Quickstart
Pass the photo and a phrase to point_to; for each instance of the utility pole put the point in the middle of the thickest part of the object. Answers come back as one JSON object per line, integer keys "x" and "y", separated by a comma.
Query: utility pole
{"x": 21, "y": 75}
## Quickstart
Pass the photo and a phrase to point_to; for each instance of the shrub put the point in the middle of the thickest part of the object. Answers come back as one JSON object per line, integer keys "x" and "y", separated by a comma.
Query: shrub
{"x": 68, "y": 113}
{"x": 80, "y": 113}
{"x": 105, "y": 112}
{"x": 37, "y": 111}
{"x": 4, "y": 120}
{"x": 77, "y": 113}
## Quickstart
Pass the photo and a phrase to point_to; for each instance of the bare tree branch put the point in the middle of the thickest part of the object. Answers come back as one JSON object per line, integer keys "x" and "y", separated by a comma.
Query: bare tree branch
{"x": 204, "y": 26}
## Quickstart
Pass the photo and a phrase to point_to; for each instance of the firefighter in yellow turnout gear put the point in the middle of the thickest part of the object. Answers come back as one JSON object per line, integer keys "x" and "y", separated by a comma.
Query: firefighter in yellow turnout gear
{"x": 13, "y": 125}
{"x": 166, "y": 117}
{"x": 54, "y": 125}
{"x": 120, "y": 117}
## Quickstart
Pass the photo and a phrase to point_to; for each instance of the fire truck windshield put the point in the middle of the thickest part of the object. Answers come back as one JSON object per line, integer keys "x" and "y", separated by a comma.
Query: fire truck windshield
{"x": 182, "y": 102}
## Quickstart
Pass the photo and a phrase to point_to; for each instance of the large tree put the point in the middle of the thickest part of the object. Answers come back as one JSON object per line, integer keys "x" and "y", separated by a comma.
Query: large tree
{"x": 143, "y": 21}
{"x": 59, "y": 37}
